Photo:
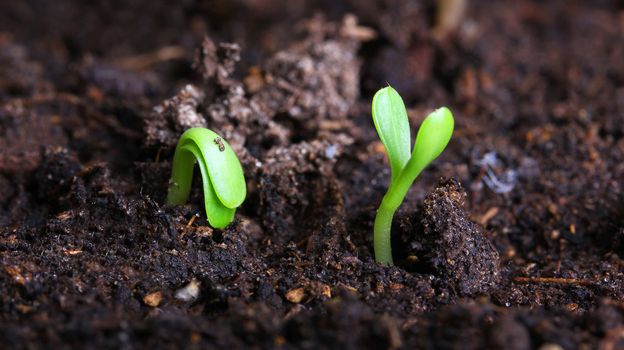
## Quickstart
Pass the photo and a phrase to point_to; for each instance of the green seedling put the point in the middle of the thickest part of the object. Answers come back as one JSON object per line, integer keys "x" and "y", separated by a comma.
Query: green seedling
{"x": 222, "y": 175}
{"x": 390, "y": 118}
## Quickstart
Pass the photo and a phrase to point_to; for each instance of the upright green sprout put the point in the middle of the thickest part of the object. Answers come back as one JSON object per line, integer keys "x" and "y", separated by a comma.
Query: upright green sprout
{"x": 390, "y": 118}
{"x": 221, "y": 172}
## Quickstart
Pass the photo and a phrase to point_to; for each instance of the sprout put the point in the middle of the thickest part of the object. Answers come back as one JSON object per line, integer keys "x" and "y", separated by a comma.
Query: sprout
{"x": 222, "y": 175}
{"x": 390, "y": 118}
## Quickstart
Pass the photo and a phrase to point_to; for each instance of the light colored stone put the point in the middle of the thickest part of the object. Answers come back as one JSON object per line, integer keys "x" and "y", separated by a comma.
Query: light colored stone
{"x": 295, "y": 295}
{"x": 188, "y": 292}
{"x": 153, "y": 299}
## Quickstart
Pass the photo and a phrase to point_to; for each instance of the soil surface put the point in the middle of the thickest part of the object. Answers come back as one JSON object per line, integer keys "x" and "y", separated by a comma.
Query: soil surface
{"x": 512, "y": 239}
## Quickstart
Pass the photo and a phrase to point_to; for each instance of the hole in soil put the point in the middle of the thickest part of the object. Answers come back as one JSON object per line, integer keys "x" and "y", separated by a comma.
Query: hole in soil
{"x": 616, "y": 133}
{"x": 399, "y": 242}
{"x": 300, "y": 132}
{"x": 217, "y": 236}
{"x": 407, "y": 245}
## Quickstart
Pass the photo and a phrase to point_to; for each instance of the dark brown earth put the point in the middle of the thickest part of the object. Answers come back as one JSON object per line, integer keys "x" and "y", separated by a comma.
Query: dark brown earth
{"x": 519, "y": 246}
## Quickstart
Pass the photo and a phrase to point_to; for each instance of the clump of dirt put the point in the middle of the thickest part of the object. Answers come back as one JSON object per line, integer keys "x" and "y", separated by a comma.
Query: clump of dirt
{"x": 175, "y": 115}
{"x": 299, "y": 182}
{"x": 316, "y": 80}
{"x": 19, "y": 74}
{"x": 230, "y": 109}
{"x": 300, "y": 89}
{"x": 452, "y": 246}
{"x": 24, "y": 124}
{"x": 56, "y": 177}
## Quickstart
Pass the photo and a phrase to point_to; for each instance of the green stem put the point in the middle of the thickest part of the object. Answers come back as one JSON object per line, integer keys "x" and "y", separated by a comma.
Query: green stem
{"x": 181, "y": 176}
{"x": 382, "y": 234}
{"x": 382, "y": 238}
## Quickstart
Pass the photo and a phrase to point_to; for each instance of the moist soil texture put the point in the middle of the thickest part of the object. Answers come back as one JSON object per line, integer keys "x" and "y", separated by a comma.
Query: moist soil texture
{"x": 512, "y": 239}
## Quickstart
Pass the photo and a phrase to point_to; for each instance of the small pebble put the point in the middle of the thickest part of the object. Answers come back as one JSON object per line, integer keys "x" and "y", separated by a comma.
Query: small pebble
{"x": 295, "y": 295}
{"x": 326, "y": 291}
{"x": 330, "y": 152}
{"x": 188, "y": 292}
{"x": 153, "y": 299}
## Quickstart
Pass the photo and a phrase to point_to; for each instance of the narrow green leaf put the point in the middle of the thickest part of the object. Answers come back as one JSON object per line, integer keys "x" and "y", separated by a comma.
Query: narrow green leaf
{"x": 390, "y": 118}
{"x": 434, "y": 134}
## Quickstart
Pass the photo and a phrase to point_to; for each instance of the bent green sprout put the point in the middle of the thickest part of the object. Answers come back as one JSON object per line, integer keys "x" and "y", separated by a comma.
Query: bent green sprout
{"x": 390, "y": 118}
{"x": 222, "y": 175}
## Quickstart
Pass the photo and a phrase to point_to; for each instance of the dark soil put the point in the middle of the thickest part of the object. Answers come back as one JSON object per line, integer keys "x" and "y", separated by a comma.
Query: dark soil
{"x": 518, "y": 246}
